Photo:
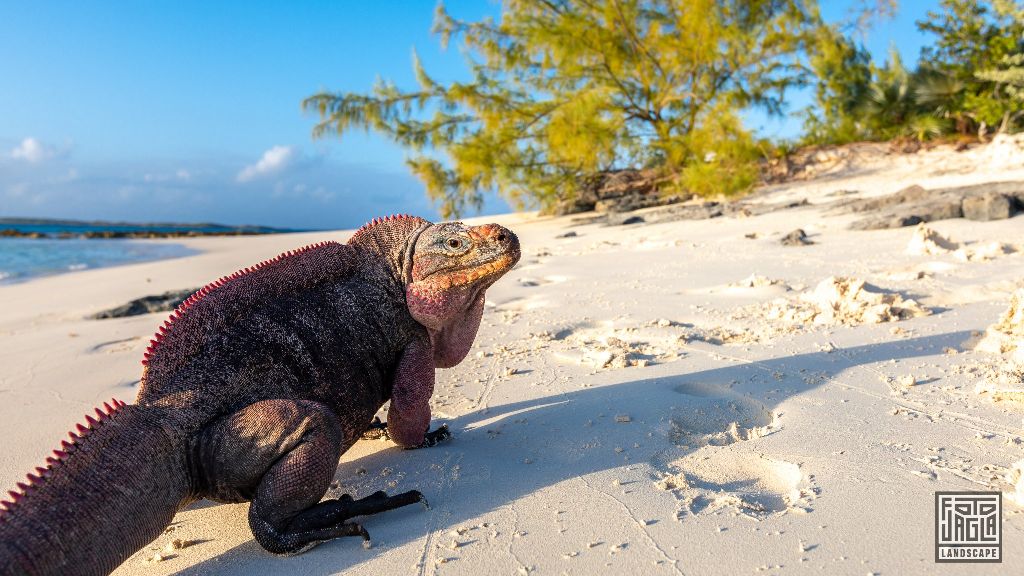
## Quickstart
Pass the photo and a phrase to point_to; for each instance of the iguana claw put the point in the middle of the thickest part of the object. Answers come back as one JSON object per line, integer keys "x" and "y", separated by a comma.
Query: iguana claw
{"x": 434, "y": 437}
{"x": 377, "y": 430}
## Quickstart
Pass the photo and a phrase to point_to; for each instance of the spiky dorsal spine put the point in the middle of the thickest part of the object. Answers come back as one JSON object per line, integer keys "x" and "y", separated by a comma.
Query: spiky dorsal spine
{"x": 60, "y": 455}
{"x": 389, "y": 222}
{"x": 178, "y": 312}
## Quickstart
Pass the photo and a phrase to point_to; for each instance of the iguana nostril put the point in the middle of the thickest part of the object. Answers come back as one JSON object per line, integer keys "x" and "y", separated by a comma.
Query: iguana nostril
{"x": 500, "y": 237}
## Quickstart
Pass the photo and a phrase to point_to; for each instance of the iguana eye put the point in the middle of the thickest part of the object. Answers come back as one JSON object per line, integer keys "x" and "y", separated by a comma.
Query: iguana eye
{"x": 455, "y": 243}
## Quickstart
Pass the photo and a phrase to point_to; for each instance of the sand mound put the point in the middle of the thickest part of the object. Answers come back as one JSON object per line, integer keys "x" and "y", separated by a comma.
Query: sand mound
{"x": 1016, "y": 477}
{"x": 1005, "y": 150}
{"x": 845, "y": 301}
{"x": 614, "y": 348}
{"x": 1003, "y": 384}
{"x": 757, "y": 281}
{"x": 982, "y": 252}
{"x": 928, "y": 242}
{"x": 1007, "y": 334}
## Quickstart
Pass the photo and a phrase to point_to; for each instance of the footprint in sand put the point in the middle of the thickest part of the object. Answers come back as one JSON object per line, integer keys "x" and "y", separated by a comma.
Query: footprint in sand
{"x": 530, "y": 282}
{"x": 716, "y": 474}
{"x": 517, "y": 304}
{"x": 116, "y": 346}
{"x": 534, "y": 259}
{"x": 712, "y": 416}
{"x": 749, "y": 484}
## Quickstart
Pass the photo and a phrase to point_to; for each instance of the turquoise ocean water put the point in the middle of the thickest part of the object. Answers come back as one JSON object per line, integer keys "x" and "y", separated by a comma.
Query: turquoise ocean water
{"x": 25, "y": 258}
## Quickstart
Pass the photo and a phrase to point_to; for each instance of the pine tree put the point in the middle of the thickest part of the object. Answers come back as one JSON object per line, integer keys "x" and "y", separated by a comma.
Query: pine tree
{"x": 563, "y": 89}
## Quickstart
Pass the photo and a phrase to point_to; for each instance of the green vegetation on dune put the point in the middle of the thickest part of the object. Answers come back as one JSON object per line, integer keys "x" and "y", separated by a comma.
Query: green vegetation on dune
{"x": 968, "y": 83}
{"x": 562, "y": 90}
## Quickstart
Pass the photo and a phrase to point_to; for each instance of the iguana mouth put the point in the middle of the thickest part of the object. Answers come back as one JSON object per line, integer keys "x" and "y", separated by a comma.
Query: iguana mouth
{"x": 496, "y": 268}
{"x": 482, "y": 275}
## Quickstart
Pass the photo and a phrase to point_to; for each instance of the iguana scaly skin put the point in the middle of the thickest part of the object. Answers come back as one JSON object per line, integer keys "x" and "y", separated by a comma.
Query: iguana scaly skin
{"x": 254, "y": 388}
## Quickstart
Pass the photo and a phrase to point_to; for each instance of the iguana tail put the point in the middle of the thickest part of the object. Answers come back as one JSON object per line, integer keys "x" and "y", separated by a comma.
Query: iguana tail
{"x": 108, "y": 491}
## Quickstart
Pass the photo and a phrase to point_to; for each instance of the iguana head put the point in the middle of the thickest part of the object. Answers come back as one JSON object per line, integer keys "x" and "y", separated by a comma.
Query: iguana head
{"x": 452, "y": 265}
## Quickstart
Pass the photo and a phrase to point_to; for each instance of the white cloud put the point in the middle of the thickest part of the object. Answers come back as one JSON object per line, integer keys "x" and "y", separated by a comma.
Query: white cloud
{"x": 17, "y": 190}
{"x": 31, "y": 150}
{"x": 272, "y": 161}
{"x": 322, "y": 194}
{"x": 301, "y": 191}
{"x": 181, "y": 175}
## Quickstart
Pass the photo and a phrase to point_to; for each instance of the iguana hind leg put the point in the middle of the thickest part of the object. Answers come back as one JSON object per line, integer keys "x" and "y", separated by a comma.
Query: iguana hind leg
{"x": 282, "y": 455}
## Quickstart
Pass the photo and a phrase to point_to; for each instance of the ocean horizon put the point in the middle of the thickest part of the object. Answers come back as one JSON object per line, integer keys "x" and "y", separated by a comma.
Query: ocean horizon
{"x": 59, "y": 228}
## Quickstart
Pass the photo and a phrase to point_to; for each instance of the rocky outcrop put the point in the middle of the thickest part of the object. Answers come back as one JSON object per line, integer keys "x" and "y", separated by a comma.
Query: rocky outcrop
{"x": 619, "y": 191}
{"x": 691, "y": 210}
{"x": 914, "y": 205}
{"x": 14, "y": 233}
{"x": 989, "y": 206}
{"x": 147, "y": 305}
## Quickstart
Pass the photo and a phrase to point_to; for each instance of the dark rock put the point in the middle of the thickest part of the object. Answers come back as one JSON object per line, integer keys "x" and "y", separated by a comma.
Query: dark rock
{"x": 747, "y": 209}
{"x": 988, "y": 206}
{"x": 700, "y": 211}
{"x": 569, "y": 234}
{"x": 687, "y": 211}
{"x": 796, "y": 238}
{"x": 909, "y": 195}
{"x": 14, "y": 233}
{"x": 636, "y": 202}
{"x": 632, "y": 220}
{"x": 147, "y": 305}
{"x": 885, "y": 222}
{"x": 913, "y": 205}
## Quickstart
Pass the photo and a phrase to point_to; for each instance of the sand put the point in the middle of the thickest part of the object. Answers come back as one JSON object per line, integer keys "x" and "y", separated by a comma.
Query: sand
{"x": 630, "y": 406}
{"x": 1007, "y": 333}
{"x": 928, "y": 242}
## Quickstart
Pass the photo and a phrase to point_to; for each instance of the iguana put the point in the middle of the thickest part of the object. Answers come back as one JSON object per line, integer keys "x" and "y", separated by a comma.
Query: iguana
{"x": 255, "y": 387}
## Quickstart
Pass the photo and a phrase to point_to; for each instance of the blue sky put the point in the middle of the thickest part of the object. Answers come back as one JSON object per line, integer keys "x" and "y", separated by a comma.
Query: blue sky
{"x": 189, "y": 111}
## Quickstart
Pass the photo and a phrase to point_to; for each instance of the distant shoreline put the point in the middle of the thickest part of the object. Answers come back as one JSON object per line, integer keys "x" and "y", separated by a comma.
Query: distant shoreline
{"x": 132, "y": 235}
{"x": 61, "y": 229}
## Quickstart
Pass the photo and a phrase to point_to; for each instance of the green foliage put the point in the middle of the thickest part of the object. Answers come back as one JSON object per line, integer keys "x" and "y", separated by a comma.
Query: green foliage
{"x": 843, "y": 73}
{"x": 971, "y": 40}
{"x": 1008, "y": 73}
{"x": 563, "y": 89}
{"x": 729, "y": 164}
{"x": 969, "y": 80}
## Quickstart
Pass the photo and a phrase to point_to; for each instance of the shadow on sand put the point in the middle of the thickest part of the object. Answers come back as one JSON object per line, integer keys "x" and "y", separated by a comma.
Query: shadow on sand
{"x": 563, "y": 436}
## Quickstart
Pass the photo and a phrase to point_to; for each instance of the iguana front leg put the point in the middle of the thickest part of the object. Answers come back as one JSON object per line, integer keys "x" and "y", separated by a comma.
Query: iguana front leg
{"x": 409, "y": 415}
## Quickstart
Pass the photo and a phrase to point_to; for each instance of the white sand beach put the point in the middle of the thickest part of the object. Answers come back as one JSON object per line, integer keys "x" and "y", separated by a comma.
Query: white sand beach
{"x": 678, "y": 398}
